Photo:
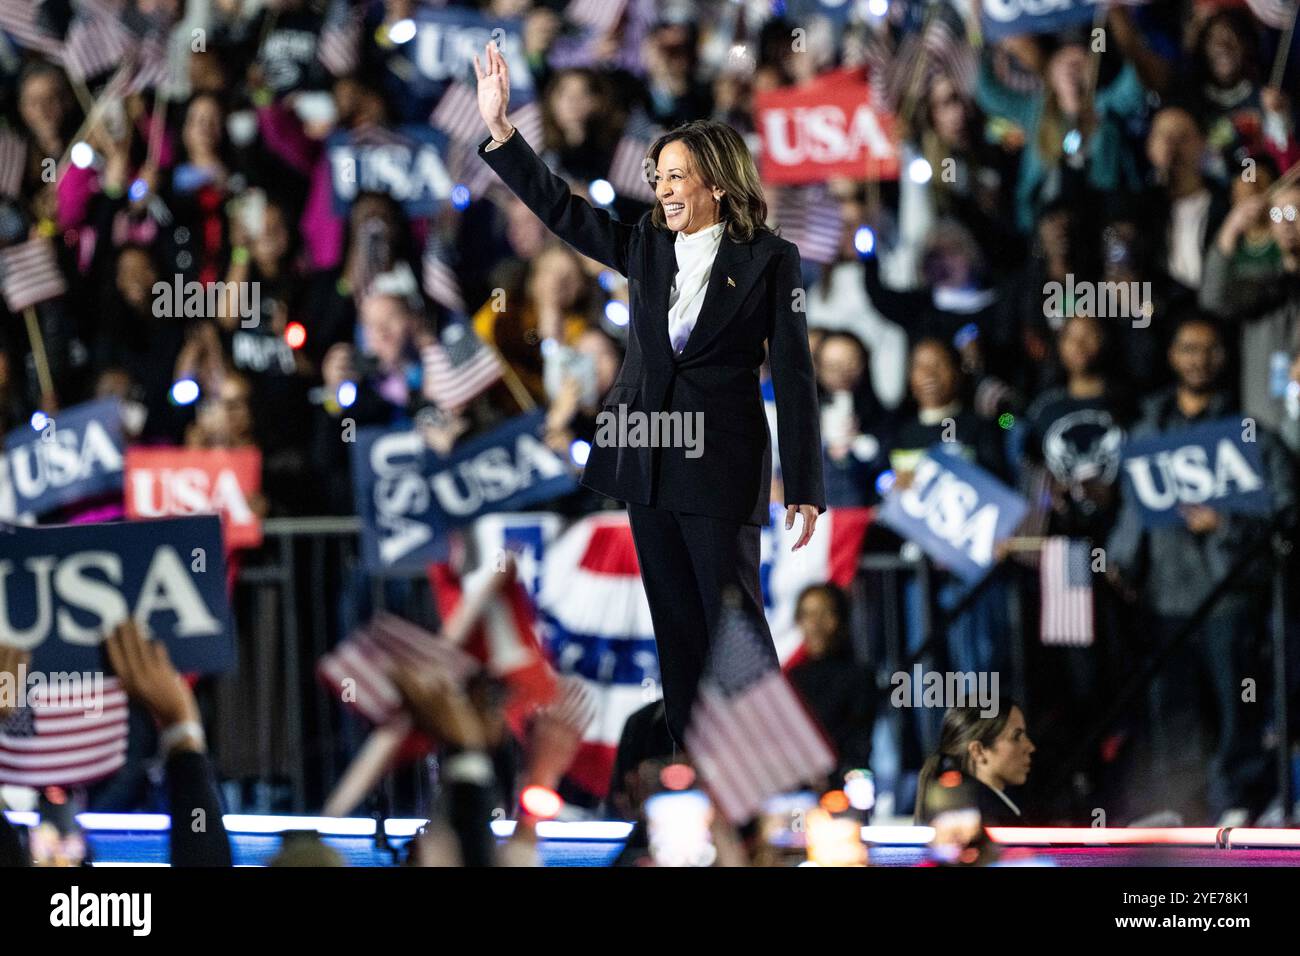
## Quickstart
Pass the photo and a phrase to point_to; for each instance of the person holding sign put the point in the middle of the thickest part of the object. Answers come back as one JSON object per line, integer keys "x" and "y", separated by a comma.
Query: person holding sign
{"x": 711, "y": 287}
{"x": 1170, "y": 563}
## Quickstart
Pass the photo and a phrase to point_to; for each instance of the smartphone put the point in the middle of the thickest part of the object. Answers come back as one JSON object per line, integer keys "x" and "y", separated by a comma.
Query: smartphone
{"x": 679, "y": 826}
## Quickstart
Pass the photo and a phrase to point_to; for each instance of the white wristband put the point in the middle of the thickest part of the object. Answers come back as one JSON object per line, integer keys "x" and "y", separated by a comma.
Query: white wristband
{"x": 178, "y": 733}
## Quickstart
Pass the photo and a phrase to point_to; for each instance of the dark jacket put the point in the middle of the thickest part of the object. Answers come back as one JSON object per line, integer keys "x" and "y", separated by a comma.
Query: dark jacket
{"x": 750, "y": 299}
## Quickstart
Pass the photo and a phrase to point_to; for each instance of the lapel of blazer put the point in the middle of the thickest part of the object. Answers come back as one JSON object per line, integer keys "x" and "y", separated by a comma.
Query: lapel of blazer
{"x": 735, "y": 269}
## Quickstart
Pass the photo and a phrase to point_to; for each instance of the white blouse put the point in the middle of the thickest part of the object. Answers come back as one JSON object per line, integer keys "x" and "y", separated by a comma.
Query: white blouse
{"x": 695, "y": 254}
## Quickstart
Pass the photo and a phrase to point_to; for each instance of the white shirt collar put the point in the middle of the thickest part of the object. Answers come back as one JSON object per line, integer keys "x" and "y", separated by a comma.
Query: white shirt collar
{"x": 711, "y": 232}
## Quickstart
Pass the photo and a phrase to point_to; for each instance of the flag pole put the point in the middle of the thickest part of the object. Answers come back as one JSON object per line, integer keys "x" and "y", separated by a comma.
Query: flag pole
{"x": 517, "y": 389}
{"x": 96, "y": 108}
{"x": 1283, "y": 51}
{"x": 377, "y": 753}
{"x": 38, "y": 353}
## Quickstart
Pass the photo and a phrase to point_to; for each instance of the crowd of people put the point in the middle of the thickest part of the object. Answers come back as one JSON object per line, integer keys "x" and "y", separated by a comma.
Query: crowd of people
{"x": 1157, "y": 159}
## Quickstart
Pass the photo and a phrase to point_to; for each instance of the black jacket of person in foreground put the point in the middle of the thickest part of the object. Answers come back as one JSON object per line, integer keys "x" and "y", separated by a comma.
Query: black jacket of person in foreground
{"x": 750, "y": 300}
{"x": 198, "y": 832}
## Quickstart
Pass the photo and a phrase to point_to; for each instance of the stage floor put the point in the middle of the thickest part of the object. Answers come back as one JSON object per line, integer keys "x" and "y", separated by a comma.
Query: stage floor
{"x": 142, "y": 840}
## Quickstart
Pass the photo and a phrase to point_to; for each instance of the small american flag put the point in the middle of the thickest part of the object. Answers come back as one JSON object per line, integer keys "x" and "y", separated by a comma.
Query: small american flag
{"x": 1065, "y": 577}
{"x": 440, "y": 282}
{"x": 18, "y": 19}
{"x": 73, "y": 736}
{"x": 458, "y": 368}
{"x": 749, "y": 736}
{"x": 29, "y": 274}
{"x": 943, "y": 47}
{"x": 505, "y": 639}
{"x": 358, "y": 668}
{"x": 811, "y": 218}
{"x": 457, "y": 113}
{"x": 152, "y": 68}
{"x": 339, "y": 46}
{"x": 96, "y": 41}
{"x": 13, "y": 163}
{"x": 600, "y": 16}
{"x": 627, "y": 171}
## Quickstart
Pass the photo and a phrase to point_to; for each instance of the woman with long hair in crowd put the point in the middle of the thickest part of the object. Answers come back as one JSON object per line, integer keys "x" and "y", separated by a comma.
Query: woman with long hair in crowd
{"x": 992, "y": 751}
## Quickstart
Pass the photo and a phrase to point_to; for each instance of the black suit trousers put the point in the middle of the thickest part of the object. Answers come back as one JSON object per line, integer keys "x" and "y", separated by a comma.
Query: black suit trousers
{"x": 690, "y": 564}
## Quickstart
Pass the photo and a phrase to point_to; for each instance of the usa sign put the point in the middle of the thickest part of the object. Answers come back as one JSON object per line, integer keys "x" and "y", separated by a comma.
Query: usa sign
{"x": 76, "y": 455}
{"x": 167, "y": 482}
{"x": 1206, "y": 464}
{"x": 829, "y": 127}
{"x": 64, "y": 587}
{"x": 956, "y": 512}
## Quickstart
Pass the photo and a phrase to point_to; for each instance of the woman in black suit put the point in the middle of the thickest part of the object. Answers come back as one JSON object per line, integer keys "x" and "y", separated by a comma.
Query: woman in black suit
{"x": 710, "y": 284}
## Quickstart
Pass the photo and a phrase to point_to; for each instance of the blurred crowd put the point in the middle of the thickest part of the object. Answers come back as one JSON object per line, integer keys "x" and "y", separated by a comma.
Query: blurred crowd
{"x": 1159, "y": 162}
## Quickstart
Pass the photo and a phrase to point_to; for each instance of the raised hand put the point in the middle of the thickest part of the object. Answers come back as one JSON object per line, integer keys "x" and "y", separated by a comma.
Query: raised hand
{"x": 145, "y": 672}
{"x": 494, "y": 91}
{"x": 557, "y": 732}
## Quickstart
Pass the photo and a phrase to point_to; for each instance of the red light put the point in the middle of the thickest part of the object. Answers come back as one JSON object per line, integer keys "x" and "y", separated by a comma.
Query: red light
{"x": 295, "y": 335}
{"x": 677, "y": 776}
{"x": 540, "y": 802}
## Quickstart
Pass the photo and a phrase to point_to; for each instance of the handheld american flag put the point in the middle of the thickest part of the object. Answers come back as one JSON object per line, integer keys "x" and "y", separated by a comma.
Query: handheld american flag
{"x": 627, "y": 171}
{"x": 339, "y": 47}
{"x": 96, "y": 41}
{"x": 29, "y": 274}
{"x": 458, "y": 368}
{"x": 65, "y": 737}
{"x": 1066, "y": 580}
{"x": 749, "y": 736}
{"x": 13, "y": 163}
{"x": 440, "y": 282}
{"x": 505, "y": 640}
{"x": 811, "y": 218}
{"x": 358, "y": 668}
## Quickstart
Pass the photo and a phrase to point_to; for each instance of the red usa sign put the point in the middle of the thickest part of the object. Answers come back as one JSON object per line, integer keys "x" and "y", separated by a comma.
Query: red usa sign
{"x": 829, "y": 127}
{"x": 169, "y": 482}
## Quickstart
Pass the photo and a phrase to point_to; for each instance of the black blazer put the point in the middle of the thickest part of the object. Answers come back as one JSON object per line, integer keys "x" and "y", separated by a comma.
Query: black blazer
{"x": 751, "y": 298}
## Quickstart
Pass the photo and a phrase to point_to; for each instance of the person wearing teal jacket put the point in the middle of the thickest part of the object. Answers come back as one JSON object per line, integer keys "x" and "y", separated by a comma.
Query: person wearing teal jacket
{"x": 1062, "y": 142}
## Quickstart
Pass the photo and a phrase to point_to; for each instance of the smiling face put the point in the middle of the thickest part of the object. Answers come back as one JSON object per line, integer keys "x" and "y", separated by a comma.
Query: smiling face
{"x": 933, "y": 376}
{"x": 388, "y": 325}
{"x": 1223, "y": 53}
{"x": 1197, "y": 356}
{"x": 688, "y": 201}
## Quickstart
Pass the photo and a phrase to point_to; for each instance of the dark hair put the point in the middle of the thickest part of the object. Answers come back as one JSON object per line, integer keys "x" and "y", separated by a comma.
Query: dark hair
{"x": 1242, "y": 24}
{"x": 962, "y": 726}
{"x": 839, "y": 607}
{"x": 721, "y": 158}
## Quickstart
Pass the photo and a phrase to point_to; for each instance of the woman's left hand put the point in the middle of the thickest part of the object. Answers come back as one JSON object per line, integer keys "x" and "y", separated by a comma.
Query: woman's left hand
{"x": 809, "y": 513}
